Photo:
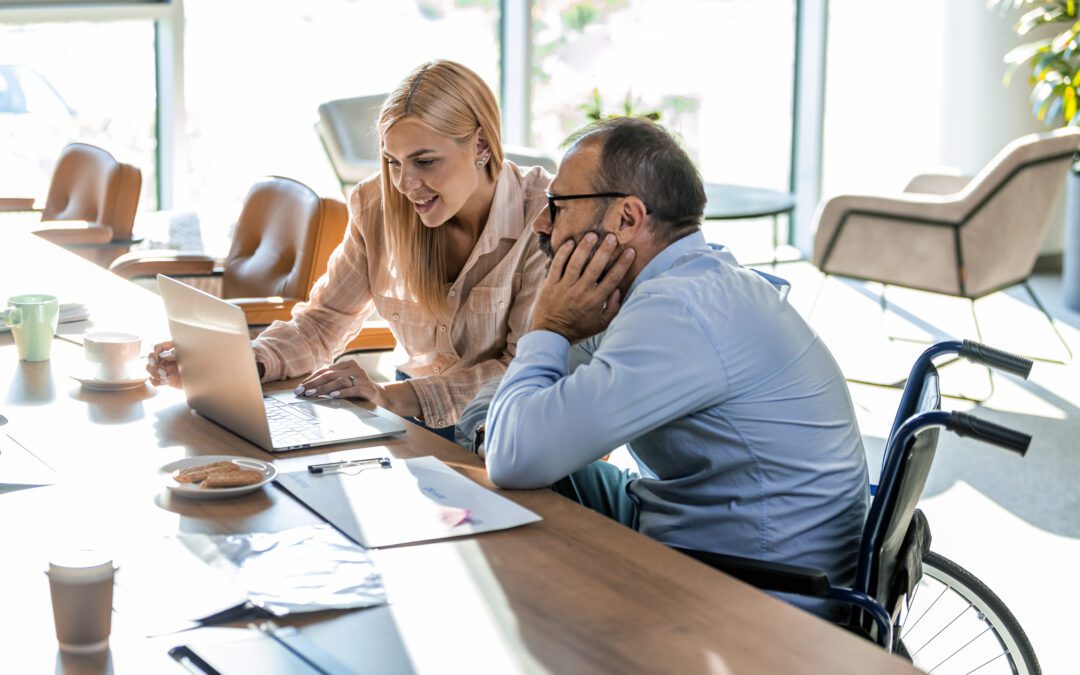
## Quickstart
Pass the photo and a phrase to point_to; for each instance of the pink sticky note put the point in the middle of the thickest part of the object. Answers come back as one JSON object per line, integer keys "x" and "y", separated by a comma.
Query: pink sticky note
{"x": 454, "y": 516}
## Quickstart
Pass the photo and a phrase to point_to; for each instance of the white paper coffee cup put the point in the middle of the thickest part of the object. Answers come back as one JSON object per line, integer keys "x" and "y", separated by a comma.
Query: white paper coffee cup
{"x": 81, "y": 585}
{"x": 113, "y": 353}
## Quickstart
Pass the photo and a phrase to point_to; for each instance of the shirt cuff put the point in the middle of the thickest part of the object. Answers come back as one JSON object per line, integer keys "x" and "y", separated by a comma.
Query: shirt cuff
{"x": 433, "y": 397}
{"x": 273, "y": 368}
{"x": 543, "y": 343}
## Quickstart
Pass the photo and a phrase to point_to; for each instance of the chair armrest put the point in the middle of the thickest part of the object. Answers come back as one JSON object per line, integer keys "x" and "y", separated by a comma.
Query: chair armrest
{"x": 765, "y": 575}
{"x": 73, "y": 232}
{"x": 375, "y": 335}
{"x": 900, "y": 208}
{"x": 151, "y": 263}
{"x": 17, "y": 204}
{"x": 263, "y": 311}
{"x": 937, "y": 184}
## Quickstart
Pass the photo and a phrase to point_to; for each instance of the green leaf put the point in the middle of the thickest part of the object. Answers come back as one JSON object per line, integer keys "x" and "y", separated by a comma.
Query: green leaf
{"x": 1038, "y": 17}
{"x": 1064, "y": 38}
{"x": 1070, "y": 103}
{"x": 1028, "y": 50}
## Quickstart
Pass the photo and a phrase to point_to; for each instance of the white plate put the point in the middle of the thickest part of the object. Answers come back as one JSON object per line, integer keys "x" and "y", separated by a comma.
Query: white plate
{"x": 195, "y": 492}
{"x": 108, "y": 385}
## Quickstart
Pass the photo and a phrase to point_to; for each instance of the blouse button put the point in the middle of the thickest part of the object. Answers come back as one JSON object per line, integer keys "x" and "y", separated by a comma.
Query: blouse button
{"x": 501, "y": 304}
{"x": 437, "y": 369}
{"x": 394, "y": 317}
{"x": 442, "y": 329}
{"x": 452, "y": 292}
{"x": 442, "y": 423}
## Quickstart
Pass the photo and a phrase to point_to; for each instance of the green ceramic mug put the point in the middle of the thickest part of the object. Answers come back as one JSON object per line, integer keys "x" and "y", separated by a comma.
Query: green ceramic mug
{"x": 33, "y": 321}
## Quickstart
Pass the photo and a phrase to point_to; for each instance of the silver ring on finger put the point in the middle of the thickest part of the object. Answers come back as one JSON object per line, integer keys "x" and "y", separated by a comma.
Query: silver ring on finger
{"x": 352, "y": 380}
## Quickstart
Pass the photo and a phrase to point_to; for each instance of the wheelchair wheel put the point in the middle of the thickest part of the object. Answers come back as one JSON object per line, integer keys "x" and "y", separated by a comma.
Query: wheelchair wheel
{"x": 955, "y": 624}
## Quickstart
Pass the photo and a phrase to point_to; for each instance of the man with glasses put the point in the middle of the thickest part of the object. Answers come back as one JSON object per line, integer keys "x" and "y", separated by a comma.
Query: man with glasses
{"x": 735, "y": 411}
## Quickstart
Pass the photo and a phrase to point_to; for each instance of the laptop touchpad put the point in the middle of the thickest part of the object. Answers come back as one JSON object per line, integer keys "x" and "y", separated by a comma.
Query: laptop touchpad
{"x": 328, "y": 409}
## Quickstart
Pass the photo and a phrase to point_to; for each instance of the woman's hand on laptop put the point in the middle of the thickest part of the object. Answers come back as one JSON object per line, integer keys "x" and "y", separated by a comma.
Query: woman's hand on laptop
{"x": 348, "y": 380}
{"x": 161, "y": 364}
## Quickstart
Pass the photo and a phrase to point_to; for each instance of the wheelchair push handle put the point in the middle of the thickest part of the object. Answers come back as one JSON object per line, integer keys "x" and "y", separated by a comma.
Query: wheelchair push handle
{"x": 964, "y": 424}
{"x": 995, "y": 358}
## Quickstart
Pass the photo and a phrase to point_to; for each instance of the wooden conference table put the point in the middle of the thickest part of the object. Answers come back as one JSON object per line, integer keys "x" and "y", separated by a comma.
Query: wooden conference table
{"x": 574, "y": 593}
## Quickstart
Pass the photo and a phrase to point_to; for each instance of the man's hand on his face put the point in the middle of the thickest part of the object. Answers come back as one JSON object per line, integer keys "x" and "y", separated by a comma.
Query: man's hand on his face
{"x": 575, "y": 301}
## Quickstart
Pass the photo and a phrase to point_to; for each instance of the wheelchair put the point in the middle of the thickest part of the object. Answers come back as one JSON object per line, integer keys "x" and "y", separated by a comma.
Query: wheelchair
{"x": 910, "y": 600}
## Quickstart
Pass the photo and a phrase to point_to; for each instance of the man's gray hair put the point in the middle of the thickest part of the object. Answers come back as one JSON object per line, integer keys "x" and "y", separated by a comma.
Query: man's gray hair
{"x": 642, "y": 158}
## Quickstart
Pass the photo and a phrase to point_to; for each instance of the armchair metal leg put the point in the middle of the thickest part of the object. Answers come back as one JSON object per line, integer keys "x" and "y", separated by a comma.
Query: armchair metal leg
{"x": 883, "y": 303}
{"x": 1050, "y": 320}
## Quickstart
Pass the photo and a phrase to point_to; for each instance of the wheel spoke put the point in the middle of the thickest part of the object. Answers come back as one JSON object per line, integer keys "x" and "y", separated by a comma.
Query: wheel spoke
{"x": 960, "y": 649}
{"x": 907, "y": 629}
{"x": 944, "y": 628}
{"x": 1004, "y": 653}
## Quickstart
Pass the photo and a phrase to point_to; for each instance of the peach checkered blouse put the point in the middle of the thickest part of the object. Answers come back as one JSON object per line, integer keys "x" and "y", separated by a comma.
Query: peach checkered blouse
{"x": 490, "y": 301}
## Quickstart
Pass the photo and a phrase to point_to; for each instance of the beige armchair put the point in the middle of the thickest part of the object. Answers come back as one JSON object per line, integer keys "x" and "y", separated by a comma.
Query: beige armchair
{"x": 960, "y": 236}
{"x": 283, "y": 241}
{"x": 91, "y": 204}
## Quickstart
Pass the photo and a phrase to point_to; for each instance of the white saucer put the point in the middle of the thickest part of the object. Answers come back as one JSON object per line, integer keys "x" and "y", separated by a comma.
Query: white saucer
{"x": 195, "y": 492}
{"x": 108, "y": 385}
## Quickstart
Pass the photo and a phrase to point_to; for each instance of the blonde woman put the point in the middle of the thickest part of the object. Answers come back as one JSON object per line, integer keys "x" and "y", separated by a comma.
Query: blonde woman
{"x": 438, "y": 243}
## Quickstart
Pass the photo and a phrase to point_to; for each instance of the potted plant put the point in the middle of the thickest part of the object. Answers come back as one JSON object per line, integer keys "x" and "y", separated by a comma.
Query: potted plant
{"x": 1053, "y": 67}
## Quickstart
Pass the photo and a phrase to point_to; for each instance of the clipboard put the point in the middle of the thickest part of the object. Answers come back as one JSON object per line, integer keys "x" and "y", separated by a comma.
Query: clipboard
{"x": 408, "y": 501}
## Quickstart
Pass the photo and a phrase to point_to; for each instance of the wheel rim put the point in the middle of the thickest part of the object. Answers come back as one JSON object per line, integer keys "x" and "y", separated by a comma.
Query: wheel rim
{"x": 947, "y": 628}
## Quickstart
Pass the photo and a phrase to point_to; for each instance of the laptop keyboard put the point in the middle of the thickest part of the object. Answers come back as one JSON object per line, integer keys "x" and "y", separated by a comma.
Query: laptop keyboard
{"x": 290, "y": 426}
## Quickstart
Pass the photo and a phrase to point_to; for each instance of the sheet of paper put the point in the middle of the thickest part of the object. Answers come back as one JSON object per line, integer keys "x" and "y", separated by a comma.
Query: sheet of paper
{"x": 19, "y": 468}
{"x": 69, "y": 312}
{"x": 420, "y": 499}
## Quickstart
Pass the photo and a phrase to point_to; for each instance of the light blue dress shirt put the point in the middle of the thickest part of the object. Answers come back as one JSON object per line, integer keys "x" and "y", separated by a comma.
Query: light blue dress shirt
{"x": 736, "y": 413}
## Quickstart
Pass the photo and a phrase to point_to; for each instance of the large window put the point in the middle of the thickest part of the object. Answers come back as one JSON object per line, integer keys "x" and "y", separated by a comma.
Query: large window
{"x": 256, "y": 72}
{"x": 719, "y": 73}
{"x": 63, "y": 82}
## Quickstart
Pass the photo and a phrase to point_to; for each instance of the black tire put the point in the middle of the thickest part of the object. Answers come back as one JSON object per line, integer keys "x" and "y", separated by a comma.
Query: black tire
{"x": 990, "y": 612}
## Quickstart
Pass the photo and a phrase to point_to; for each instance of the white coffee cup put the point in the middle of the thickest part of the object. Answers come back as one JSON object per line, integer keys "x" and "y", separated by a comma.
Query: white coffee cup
{"x": 113, "y": 353}
{"x": 81, "y": 585}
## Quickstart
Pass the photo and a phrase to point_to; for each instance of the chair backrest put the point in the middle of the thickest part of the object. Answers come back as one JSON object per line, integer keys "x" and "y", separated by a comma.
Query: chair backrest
{"x": 1012, "y": 200}
{"x": 881, "y": 571}
{"x": 283, "y": 240}
{"x": 347, "y": 128}
{"x": 90, "y": 184}
{"x": 524, "y": 156}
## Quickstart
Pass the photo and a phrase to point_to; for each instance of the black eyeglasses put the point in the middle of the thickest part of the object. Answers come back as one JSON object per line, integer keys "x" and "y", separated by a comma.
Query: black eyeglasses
{"x": 596, "y": 195}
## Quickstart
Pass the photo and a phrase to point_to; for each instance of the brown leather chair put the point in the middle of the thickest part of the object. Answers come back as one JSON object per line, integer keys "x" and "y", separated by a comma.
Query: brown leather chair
{"x": 91, "y": 204}
{"x": 283, "y": 241}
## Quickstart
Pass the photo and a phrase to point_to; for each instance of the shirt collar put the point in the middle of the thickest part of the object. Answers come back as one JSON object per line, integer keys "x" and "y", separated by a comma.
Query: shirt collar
{"x": 665, "y": 259}
{"x": 506, "y": 219}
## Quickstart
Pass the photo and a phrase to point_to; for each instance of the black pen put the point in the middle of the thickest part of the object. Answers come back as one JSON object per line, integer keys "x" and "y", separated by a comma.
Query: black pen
{"x": 384, "y": 462}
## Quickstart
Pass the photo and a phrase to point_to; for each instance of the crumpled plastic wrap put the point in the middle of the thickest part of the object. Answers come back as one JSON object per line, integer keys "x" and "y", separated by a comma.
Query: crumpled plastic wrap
{"x": 303, "y": 569}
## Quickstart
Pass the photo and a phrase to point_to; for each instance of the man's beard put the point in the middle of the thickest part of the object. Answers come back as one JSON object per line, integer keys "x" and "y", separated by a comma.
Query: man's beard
{"x": 545, "y": 245}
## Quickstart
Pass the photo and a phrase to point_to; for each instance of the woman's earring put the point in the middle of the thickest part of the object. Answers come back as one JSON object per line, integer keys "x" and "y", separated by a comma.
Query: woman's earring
{"x": 480, "y": 163}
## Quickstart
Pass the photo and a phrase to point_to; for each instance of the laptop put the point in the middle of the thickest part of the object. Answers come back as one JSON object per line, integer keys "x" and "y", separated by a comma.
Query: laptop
{"x": 221, "y": 381}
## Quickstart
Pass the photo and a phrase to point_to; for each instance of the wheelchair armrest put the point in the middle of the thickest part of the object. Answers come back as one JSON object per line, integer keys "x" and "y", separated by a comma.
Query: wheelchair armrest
{"x": 173, "y": 263}
{"x": 768, "y": 576}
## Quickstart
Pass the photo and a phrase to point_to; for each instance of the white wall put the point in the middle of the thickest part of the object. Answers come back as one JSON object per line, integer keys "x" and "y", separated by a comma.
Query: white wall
{"x": 917, "y": 85}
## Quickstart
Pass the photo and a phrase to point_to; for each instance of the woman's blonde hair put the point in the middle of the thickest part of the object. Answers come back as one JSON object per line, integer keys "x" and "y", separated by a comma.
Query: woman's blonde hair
{"x": 455, "y": 102}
